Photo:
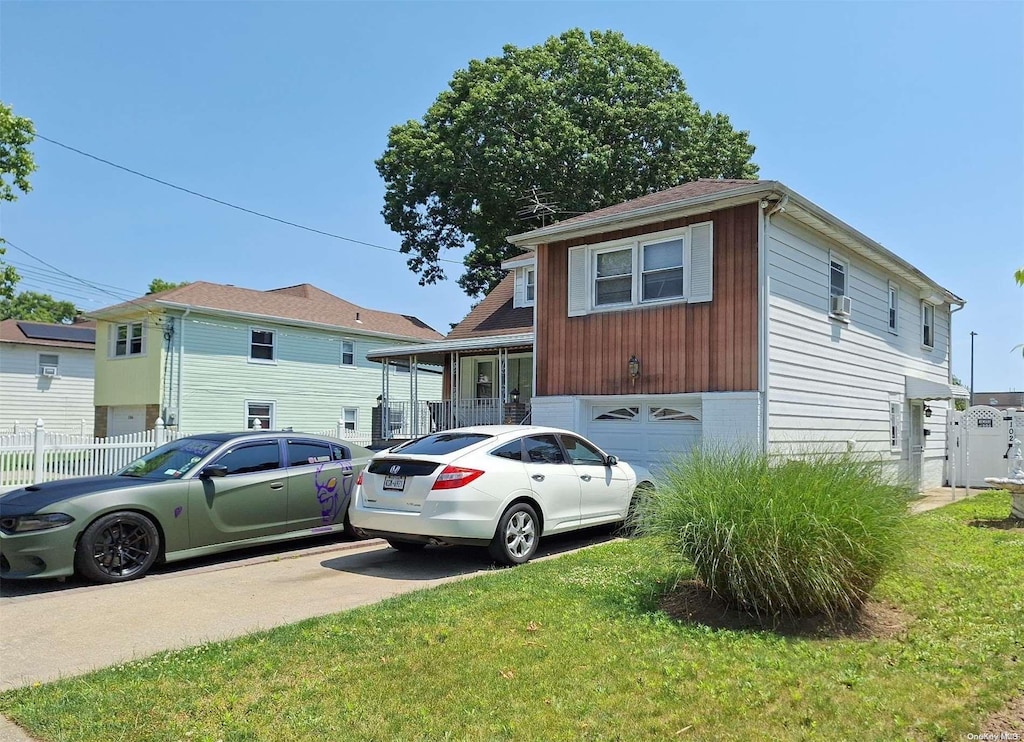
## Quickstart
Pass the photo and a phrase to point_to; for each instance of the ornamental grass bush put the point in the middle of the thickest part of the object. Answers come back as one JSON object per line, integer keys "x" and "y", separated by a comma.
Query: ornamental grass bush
{"x": 799, "y": 537}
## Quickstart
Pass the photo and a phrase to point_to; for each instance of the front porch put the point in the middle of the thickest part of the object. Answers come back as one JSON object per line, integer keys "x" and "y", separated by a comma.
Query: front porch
{"x": 485, "y": 381}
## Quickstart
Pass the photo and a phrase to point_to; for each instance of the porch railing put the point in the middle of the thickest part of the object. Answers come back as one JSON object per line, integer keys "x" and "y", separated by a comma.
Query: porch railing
{"x": 411, "y": 420}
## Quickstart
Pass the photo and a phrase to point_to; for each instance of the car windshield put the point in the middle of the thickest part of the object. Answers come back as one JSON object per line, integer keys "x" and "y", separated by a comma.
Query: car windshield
{"x": 171, "y": 461}
{"x": 441, "y": 443}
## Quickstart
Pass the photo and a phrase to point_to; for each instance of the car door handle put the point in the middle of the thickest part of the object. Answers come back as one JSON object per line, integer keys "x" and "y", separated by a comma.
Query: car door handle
{"x": 538, "y": 477}
{"x": 585, "y": 477}
{"x": 276, "y": 485}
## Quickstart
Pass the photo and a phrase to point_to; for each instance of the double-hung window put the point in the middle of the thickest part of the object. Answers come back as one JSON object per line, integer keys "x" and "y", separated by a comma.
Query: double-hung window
{"x": 129, "y": 340}
{"x": 348, "y": 353}
{"x": 662, "y": 271}
{"x": 672, "y": 266}
{"x": 894, "y": 307}
{"x": 261, "y": 346}
{"x": 838, "y": 269}
{"x": 259, "y": 415}
{"x": 613, "y": 282}
{"x": 49, "y": 364}
{"x": 350, "y": 419}
{"x": 530, "y": 285}
{"x": 927, "y": 325}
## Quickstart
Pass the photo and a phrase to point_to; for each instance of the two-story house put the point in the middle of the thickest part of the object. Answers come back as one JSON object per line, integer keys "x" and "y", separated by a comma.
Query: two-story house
{"x": 214, "y": 357}
{"x": 46, "y": 373}
{"x": 739, "y": 311}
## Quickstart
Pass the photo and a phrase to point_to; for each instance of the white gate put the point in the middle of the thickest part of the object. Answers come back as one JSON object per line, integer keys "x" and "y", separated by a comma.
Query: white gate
{"x": 980, "y": 444}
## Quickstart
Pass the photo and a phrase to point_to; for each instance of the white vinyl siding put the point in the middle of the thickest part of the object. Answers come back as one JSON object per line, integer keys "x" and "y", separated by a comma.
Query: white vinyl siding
{"x": 830, "y": 384}
{"x": 672, "y": 266}
{"x": 64, "y": 403}
{"x": 128, "y": 339}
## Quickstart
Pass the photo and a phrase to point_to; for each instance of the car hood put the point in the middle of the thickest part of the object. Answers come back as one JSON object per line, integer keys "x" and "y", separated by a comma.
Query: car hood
{"x": 38, "y": 496}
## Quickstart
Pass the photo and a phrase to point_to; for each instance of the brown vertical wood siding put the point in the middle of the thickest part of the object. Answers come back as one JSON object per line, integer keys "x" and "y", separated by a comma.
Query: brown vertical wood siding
{"x": 708, "y": 347}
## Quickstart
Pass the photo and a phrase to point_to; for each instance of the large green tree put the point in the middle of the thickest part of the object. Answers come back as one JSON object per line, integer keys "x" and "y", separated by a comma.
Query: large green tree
{"x": 36, "y": 307}
{"x": 158, "y": 284}
{"x": 16, "y": 164}
{"x": 574, "y": 124}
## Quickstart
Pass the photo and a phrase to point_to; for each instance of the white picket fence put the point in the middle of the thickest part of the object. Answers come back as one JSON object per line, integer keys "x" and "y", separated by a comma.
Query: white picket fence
{"x": 36, "y": 455}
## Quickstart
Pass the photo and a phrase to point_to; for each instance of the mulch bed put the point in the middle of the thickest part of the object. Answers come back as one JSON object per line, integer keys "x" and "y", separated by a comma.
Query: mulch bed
{"x": 693, "y": 602}
{"x": 1003, "y": 524}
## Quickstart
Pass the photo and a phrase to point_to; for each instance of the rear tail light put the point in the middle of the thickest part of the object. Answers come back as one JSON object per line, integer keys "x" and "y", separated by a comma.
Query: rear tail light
{"x": 359, "y": 480}
{"x": 455, "y": 476}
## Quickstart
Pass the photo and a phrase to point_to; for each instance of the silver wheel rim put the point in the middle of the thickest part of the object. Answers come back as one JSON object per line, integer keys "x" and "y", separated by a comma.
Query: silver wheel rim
{"x": 520, "y": 534}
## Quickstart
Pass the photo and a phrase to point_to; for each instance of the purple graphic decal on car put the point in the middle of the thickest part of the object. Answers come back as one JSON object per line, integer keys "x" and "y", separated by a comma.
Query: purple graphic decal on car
{"x": 177, "y": 511}
{"x": 327, "y": 491}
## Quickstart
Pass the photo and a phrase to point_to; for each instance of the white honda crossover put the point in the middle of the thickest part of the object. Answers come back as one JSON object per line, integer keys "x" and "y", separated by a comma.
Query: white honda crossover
{"x": 500, "y": 486}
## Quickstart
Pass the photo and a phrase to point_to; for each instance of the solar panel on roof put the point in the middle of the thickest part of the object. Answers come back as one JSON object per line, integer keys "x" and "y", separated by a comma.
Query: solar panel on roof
{"x": 68, "y": 333}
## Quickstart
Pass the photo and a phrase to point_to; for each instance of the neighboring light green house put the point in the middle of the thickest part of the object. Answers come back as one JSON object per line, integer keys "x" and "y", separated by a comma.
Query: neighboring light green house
{"x": 210, "y": 357}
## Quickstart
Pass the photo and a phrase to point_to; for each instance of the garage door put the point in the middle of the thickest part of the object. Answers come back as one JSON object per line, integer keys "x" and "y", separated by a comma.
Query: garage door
{"x": 647, "y": 433}
{"x": 122, "y": 420}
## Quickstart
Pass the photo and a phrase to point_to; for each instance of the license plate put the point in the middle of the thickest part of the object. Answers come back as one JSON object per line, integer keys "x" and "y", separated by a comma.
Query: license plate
{"x": 394, "y": 483}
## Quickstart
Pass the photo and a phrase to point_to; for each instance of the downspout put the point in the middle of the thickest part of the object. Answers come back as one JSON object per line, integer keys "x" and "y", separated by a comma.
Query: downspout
{"x": 181, "y": 360}
{"x": 764, "y": 296}
{"x": 949, "y": 369}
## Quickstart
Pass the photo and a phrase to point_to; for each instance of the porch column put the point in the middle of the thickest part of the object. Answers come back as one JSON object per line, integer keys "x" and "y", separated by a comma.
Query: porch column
{"x": 385, "y": 424}
{"x": 453, "y": 392}
{"x": 414, "y": 394}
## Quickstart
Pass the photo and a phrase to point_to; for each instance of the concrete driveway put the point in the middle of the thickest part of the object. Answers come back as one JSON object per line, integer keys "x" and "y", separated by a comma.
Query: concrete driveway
{"x": 52, "y": 630}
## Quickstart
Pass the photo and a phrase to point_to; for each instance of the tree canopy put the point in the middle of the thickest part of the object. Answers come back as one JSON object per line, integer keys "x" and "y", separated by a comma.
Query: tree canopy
{"x": 159, "y": 284}
{"x": 29, "y": 305}
{"x": 574, "y": 124}
{"x": 16, "y": 164}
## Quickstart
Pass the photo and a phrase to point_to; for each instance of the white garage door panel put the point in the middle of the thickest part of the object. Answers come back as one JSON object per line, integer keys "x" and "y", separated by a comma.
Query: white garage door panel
{"x": 647, "y": 433}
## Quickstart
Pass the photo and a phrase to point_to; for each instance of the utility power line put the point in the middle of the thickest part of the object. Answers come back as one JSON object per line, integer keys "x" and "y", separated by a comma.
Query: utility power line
{"x": 230, "y": 205}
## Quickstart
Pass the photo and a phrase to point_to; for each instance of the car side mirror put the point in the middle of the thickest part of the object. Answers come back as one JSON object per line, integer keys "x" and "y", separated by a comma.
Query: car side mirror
{"x": 610, "y": 461}
{"x": 216, "y": 470}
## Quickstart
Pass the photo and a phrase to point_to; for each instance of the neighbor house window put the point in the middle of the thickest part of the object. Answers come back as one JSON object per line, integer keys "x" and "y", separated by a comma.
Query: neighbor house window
{"x": 259, "y": 412}
{"x": 348, "y": 353}
{"x": 49, "y": 364}
{"x": 662, "y": 272}
{"x": 350, "y": 418}
{"x": 927, "y": 325}
{"x": 261, "y": 345}
{"x": 613, "y": 282}
{"x": 531, "y": 285}
{"x": 894, "y": 307}
{"x": 129, "y": 340}
{"x": 838, "y": 270}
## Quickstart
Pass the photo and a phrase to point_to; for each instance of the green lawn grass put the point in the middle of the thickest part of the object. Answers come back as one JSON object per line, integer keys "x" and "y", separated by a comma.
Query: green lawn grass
{"x": 575, "y": 648}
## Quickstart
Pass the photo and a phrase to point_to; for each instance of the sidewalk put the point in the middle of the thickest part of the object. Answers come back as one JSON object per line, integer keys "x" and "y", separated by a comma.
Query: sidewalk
{"x": 939, "y": 496}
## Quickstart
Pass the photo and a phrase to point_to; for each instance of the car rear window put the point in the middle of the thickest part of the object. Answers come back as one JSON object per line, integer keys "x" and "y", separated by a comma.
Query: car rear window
{"x": 441, "y": 443}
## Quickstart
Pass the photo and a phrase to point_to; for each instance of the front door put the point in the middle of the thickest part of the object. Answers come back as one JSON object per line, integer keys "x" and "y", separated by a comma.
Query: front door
{"x": 250, "y": 501}
{"x": 916, "y": 443}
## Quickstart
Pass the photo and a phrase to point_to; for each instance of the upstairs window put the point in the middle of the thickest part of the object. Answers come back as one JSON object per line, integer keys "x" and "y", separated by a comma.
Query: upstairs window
{"x": 838, "y": 270}
{"x": 894, "y": 307}
{"x": 927, "y": 325}
{"x": 530, "y": 285}
{"x": 662, "y": 271}
{"x": 49, "y": 365}
{"x": 666, "y": 267}
{"x": 128, "y": 340}
{"x": 613, "y": 282}
{"x": 348, "y": 353}
{"x": 261, "y": 346}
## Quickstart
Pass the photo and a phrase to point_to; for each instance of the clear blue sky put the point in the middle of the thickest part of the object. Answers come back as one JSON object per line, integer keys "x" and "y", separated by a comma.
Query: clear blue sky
{"x": 904, "y": 119}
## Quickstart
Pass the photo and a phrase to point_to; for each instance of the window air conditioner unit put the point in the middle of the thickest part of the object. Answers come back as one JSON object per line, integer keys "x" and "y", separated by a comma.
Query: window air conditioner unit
{"x": 50, "y": 371}
{"x": 841, "y": 306}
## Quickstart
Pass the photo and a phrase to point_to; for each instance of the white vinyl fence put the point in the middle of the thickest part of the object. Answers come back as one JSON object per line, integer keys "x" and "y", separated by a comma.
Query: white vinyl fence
{"x": 36, "y": 455}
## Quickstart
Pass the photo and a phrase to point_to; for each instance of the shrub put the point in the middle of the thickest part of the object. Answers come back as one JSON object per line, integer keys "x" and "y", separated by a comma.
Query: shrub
{"x": 800, "y": 537}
